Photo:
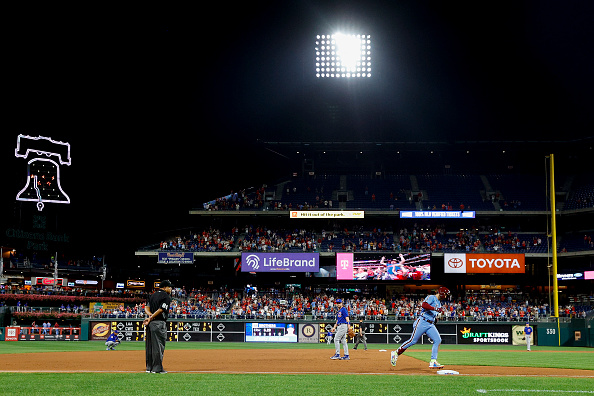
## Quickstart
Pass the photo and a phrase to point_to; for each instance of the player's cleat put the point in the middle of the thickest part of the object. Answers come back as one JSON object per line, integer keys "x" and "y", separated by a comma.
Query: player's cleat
{"x": 335, "y": 357}
{"x": 393, "y": 358}
{"x": 107, "y": 349}
{"x": 433, "y": 364}
{"x": 345, "y": 357}
{"x": 159, "y": 372}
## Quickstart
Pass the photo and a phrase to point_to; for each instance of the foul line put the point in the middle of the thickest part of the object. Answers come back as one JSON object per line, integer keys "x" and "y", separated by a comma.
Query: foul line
{"x": 303, "y": 373}
{"x": 532, "y": 390}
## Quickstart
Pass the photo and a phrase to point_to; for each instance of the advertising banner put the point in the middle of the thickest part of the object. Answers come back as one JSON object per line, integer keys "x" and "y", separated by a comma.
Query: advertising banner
{"x": 327, "y": 214}
{"x": 99, "y": 331}
{"x": 344, "y": 266}
{"x": 308, "y": 333}
{"x": 135, "y": 283}
{"x": 518, "y": 336}
{"x": 12, "y": 334}
{"x": 50, "y": 281}
{"x": 176, "y": 258}
{"x": 280, "y": 262}
{"x": 437, "y": 214}
{"x": 484, "y": 334}
{"x": 476, "y": 263}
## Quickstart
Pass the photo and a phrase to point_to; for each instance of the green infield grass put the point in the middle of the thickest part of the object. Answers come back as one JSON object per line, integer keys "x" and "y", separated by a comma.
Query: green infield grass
{"x": 274, "y": 384}
{"x": 290, "y": 384}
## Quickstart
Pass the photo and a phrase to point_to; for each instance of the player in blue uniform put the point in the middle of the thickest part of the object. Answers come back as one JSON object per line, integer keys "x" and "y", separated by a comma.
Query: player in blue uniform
{"x": 528, "y": 334}
{"x": 340, "y": 330}
{"x": 425, "y": 324}
{"x": 112, "y": 341}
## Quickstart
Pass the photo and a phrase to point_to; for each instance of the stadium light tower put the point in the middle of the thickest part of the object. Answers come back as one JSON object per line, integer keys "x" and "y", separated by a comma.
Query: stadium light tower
{"x": 341, "y": 55}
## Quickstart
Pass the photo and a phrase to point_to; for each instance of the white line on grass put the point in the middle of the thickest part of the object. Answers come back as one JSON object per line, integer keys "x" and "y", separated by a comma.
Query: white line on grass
{"x": 532, "y": 390}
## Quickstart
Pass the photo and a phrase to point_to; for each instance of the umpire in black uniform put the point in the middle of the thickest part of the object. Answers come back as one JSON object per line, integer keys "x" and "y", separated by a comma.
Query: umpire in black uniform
{"x": 360, "y": 337}
{"x": 157, "y": 309}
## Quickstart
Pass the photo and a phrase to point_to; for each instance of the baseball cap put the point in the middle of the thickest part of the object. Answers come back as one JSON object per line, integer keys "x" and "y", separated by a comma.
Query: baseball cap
{"x": 338, "y": 300}
{"x": 165, "y": 283}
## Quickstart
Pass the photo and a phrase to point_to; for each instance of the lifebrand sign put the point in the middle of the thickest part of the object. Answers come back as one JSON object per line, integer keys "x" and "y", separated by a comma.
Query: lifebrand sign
{"x": 284, "y": 262}
{"x": 476, "y": 263}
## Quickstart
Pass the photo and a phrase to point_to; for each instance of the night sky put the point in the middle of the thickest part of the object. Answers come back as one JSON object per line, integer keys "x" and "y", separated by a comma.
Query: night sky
{"x": 167, "y": 108}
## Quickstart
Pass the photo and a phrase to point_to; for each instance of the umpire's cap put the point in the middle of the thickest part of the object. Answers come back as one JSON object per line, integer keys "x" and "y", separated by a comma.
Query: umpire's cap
{"x": 165, "y": 283}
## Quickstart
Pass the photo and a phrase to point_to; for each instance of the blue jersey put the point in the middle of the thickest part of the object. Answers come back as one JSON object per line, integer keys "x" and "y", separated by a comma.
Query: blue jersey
{"x": 342, "y": 315}
{"x": 113, "y": 337}
{"x": 528, "y": 330}
{"x": 434, "y": 302}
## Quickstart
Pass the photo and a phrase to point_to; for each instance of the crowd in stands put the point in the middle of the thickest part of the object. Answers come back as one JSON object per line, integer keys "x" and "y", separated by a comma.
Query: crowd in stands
{"x": 418, "y": 238}
{"x": 286, "y": 304}
{"x": 508, "y": 192}
{"x": 246, "y": 199}
{"x": 212, "y": 240}
{"x": 72, "y": 291}
{"x": 46, "y": 262}
{"x": 262, "y": 239}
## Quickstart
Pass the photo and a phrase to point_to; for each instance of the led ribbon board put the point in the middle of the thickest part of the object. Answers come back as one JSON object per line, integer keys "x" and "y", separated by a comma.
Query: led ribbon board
{"x": 43, "y": 169}
{"x": 343, "y": 56}
{"x": 438, "y": 214}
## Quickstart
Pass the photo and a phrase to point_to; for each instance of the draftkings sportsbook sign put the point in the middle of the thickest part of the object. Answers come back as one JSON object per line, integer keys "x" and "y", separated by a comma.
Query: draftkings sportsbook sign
{"x": 484, "y": 334}
{"x": 476, "y": 263}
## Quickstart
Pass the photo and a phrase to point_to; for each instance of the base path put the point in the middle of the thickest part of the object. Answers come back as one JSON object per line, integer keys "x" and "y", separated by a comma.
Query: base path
{"x": 277, "y": 361}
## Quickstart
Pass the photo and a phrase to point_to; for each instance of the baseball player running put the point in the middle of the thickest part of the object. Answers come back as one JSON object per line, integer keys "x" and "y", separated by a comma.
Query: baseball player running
{"x": 425, "y": 324}
{"x": 340, "y": 330}
{"x": 112, "y": 341}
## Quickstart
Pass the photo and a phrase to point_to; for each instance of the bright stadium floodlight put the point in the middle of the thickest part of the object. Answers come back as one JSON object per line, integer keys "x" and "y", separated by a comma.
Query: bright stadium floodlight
{"x": 343, "y": 55}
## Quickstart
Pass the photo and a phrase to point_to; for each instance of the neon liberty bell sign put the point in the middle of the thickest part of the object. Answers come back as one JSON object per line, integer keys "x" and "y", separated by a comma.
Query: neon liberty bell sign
{"x": 45, "y": 156}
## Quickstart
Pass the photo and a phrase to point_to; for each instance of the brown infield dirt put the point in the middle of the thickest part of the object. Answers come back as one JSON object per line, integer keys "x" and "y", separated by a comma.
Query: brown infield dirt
{"x": 262, "y": 361}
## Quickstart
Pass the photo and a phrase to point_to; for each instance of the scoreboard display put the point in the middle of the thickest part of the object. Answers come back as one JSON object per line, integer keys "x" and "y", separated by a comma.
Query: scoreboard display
{"x": 238, "y": 331}
{"x": 270, "y": 332}
{"x": 133, "y": 330}
{"x": 376, "y": 332}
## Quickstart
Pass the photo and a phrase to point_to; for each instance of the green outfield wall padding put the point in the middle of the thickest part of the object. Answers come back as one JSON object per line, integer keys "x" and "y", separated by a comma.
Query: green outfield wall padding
{"x": 573, "y": 334}
{"x": 84, "y": 330}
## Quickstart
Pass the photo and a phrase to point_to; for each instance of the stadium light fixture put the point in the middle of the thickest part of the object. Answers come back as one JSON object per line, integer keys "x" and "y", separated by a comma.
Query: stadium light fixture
{"x": 342, "y": 55}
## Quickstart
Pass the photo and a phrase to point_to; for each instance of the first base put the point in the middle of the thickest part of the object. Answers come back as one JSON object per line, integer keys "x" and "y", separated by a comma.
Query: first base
{"x": 447, "y": 372}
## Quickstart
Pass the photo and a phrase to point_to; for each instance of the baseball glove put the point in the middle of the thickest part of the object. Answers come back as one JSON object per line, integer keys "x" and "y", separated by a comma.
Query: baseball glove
{"x": 351, "y": 332}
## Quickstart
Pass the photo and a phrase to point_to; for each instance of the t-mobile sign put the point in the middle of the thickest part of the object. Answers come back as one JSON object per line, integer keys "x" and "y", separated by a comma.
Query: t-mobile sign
{"x": 274, "y": 262}
{"x": 344, "y": 266}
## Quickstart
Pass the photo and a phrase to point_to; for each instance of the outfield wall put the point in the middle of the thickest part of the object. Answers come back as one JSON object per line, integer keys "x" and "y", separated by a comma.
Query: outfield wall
{"x": 305, "y": 332}
{"x": 578, "y": 332}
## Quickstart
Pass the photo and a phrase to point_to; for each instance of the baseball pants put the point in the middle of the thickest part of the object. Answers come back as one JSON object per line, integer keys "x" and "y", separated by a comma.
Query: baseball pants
{"x": 156, "y": 335}
{"x": 360, "y": 339}
{"x": 420, "y": 327}
{"x": 528, "y": 337}
{"x": 341, "y": 337}
{"x": 112, "y": 344}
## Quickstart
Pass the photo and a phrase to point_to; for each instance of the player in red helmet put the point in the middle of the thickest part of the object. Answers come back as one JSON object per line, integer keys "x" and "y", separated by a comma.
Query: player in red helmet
{"x": 444, "y": 292}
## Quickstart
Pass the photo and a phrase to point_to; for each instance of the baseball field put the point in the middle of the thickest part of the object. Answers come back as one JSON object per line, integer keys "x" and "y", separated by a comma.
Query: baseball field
{"x": 250, "y": 369}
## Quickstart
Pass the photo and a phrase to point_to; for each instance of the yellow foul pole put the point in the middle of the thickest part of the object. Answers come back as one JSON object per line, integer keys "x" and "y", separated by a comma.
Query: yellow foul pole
{"x": 554, "y": 243}
{"x": 554, "y": 234}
